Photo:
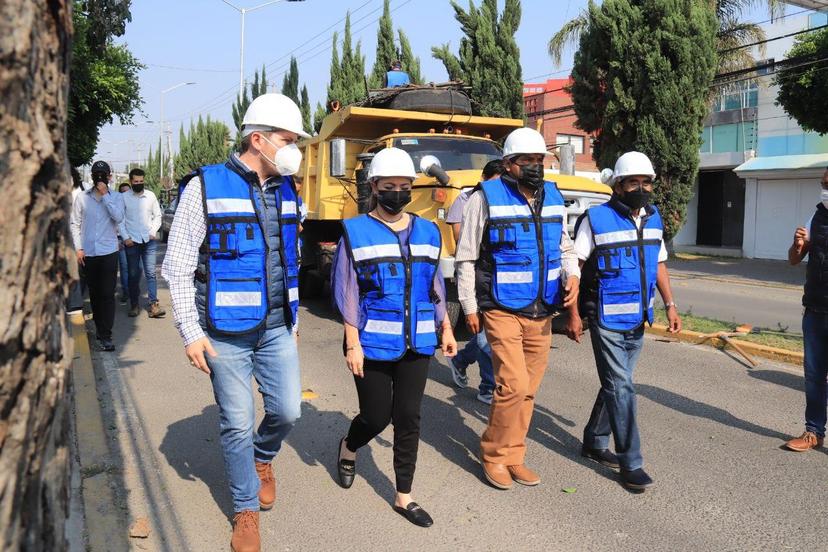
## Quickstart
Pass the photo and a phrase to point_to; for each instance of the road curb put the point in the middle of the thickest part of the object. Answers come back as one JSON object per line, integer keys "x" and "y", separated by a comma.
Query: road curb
{"x": 103, "y": 526}
{"x": 683, "y": 274}
{"x": 698, "y": 338}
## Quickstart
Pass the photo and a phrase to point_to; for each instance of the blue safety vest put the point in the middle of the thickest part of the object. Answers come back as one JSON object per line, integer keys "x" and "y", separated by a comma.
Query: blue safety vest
{"x": 397, "y": 78}
{"x": 627, "y": 264}
{"x": 525, "y": 246}
{"x": 235, "y": 289}
{"x": 395, "y": 290}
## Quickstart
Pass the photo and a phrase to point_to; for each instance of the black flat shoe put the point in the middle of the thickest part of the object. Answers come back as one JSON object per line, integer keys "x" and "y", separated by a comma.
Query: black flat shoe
{"x": 415, "y": 514}
{"x": 602, "y": 456}
{"x": 636, "y": 480}
{"x": 345, "y": 468}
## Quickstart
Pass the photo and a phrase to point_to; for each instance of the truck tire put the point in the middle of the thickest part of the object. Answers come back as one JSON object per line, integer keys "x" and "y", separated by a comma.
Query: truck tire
{"x": 433, "y": 101}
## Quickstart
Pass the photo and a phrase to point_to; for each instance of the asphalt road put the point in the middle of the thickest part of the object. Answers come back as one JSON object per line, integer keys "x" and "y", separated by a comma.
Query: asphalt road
{"x": 745, "y": 302}
{"x": 711, "y": 428}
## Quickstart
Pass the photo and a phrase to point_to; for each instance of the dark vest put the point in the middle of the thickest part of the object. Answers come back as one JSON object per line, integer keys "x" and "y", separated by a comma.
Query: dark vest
{"x": 816, "y": 281}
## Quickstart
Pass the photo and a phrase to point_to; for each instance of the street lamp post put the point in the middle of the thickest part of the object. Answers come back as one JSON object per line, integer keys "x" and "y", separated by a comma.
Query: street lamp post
{"x": 243, "y": 12}
{"x": 163, "y": 131}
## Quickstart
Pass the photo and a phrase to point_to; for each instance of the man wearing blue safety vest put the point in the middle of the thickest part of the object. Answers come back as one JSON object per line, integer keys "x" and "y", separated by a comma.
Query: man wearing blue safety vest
{"x": 232, "y": 268}
{"x": 622, "y": 255}
{"x": 512, "y": 257}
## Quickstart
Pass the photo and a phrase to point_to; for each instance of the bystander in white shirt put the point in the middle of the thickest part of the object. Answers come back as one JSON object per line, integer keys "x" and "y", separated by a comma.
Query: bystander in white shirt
{"x": 142, "y": 216}
{"x": 585, "y": 244}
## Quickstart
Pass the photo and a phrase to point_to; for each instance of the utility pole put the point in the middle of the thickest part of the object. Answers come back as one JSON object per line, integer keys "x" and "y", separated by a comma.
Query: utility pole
{"x": 164, "y": 131}
{"x": 243, "y": 12}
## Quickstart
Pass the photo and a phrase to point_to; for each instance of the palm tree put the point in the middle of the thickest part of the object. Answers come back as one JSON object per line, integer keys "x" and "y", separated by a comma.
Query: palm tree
{"x": 732, "y": 33}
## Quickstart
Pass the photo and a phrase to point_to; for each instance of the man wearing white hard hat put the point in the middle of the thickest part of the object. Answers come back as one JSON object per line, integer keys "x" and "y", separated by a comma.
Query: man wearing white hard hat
{"x": 232, "y": 268}
{"x": 515, "y": 267}
{"x": 389, "y": 289}
{"x": 622, "y": 255}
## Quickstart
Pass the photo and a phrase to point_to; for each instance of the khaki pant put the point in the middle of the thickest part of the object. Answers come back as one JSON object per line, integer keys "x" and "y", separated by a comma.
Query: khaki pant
{"x": 520, "y": 351}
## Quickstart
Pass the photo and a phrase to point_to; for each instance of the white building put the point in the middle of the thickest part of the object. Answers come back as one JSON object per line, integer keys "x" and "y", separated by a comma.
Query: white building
{"x": 759, "y": 171}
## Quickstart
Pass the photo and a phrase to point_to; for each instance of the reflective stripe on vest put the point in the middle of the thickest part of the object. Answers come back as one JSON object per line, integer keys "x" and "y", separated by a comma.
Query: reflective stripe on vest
{"x": 396, "y": 308}
{"x": 235, "y": 297}
{"x": 627, "y": 265}
{"x": 525, "y": 248}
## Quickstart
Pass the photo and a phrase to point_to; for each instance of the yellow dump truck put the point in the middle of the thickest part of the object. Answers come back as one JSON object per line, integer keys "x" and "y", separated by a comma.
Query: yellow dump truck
{"x": 335, "y": 168}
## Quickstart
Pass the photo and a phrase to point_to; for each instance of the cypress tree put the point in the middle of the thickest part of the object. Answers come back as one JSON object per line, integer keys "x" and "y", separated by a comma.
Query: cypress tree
{"x": 318, "y": 116}
{"x": 205, "y": 144}
{"x": 257, "y": 88}
{"x": 290, "y": 84}
{"x": 335, "y": 89}
{"x": 347, "y": 84}
{"x": 648, "y": 90}
{"x": 304, "y": 106}
{"x": 386, "y": 50}
{"x": 489, "y": 57}
{"x": 410, "y": 63}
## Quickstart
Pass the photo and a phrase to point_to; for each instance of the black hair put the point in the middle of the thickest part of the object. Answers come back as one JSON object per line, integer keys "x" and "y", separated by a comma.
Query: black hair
{"x": 122, "y": 184}
{"x": 493, "y": 168}
{"x": 136, "y": 172}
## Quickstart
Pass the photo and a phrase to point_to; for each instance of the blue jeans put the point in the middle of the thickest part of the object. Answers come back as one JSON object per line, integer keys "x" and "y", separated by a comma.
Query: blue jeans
{"x": 123, "y": 271}
{"x": 815, "y": 331}
{"x": 137, "y": 255}
{"x": 478, "y": 350}
{"x": 271, "y": 357}
{"x": 615, "y": 356}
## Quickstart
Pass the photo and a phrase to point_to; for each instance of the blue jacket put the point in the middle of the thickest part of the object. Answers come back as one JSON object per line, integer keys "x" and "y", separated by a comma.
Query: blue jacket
{"x": 521, "y": 264}
{"x": 247, "y": 275}
{"x": 626, "y": 262}
{"x": 395, "y": 290}
{"x": 816, "y": 282}
{"x": 394, "y": 79}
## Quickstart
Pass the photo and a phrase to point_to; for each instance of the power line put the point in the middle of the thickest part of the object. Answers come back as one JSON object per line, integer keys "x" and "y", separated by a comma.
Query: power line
{"x": 727, "y": 51}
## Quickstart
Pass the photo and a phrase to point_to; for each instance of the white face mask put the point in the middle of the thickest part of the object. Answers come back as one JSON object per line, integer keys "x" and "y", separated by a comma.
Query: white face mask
{"x": 824, "y": 196}
{"x": 288, "y": 158}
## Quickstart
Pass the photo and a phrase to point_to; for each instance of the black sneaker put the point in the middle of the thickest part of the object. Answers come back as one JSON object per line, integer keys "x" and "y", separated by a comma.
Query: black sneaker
{"x": 106, "y": 345}
{"x": 123, "y": 298}
{"x": 458, "y": 374}
{"x": 602, "y": 456}
{"x": 636, "y": 480}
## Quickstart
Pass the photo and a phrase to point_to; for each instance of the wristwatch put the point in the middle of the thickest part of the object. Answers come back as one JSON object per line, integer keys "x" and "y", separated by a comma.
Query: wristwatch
{"x": 670, "y": 304}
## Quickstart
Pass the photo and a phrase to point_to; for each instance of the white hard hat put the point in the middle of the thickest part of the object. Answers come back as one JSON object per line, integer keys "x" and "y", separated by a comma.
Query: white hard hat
{"x": 633, "y": 163}
{"x": 524, "y": 141}
{"x": 392, "y": 162}
{"x": 270, "y": 111}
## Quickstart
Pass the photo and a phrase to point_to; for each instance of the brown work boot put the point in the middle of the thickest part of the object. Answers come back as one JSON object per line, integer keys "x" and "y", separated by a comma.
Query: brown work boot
{"x": 805, "y": 442}
{"x": 267, "y": 490}
{"x": 245, "y": 532}
{"x": 497, "y": 474}
{"x": 524, "y": 475}
{"x": 155, "y": 310}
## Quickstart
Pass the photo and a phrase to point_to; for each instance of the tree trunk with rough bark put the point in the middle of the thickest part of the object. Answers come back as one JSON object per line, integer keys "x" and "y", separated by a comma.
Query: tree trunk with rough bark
{"x": 35, "y": 351}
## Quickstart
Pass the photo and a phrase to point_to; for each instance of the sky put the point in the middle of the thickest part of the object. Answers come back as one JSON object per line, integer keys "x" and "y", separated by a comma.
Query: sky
{"x": 198, "y": 41}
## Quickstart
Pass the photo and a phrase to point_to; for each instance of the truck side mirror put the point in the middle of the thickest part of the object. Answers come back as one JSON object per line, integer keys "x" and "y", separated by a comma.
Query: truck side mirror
{"x": 337, "y": 159}
{"x": 430, "y": 166}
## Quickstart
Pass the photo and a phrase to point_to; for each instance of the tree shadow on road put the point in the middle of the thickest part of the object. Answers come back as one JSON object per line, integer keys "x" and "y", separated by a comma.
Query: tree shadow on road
{"x": 316, "y": 440}
{"x": 691, "y": 407}
{"x": 191, "y": 446}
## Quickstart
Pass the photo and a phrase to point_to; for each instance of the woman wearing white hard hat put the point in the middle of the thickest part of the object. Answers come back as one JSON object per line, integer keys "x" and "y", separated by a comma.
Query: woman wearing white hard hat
{"x": 622, "y": 252}
{"x": 235, "y": 297}
{"x": 389, "y": 289}
{"x": 515, "y": 268}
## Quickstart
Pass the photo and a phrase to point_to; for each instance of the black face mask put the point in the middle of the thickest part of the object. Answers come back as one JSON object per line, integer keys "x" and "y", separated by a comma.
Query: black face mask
{"x": 636, "y": 199}
{"x": 137, "y": 188}
{"x": 531, "y": 176}
{"x": 394, "y": 201}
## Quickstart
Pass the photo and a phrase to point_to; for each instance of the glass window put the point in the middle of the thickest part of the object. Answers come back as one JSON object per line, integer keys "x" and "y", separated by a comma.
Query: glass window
{"x": 576, "y": 141}
{"x": 454, "y": 153}
{"x": 706, "y": 140}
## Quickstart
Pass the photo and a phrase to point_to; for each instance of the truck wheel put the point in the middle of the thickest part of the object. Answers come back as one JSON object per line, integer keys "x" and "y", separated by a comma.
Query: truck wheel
{"x": 432, "y": 101}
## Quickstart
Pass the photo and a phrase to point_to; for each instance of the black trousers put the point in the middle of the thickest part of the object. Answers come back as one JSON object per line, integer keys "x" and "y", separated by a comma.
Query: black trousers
{"x": 101, "y": 275}
{"x": 392, "y": 392}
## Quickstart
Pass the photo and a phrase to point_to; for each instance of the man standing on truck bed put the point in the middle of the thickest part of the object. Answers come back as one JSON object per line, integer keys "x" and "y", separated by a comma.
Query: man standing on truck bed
{"x": 233, "y": 275}
{"x": 512, "y": 254}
